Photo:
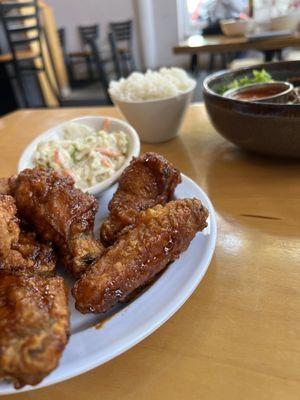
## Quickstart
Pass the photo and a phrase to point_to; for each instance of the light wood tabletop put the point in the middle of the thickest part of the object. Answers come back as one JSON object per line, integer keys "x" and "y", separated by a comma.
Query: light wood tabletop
{"x": 238, "y": 336}
{"x": 221, "y": 43}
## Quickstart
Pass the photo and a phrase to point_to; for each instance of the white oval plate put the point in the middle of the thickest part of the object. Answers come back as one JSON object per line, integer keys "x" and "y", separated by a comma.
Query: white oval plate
{"x": 55, "y": 133}
{"x": 89, "y": 347}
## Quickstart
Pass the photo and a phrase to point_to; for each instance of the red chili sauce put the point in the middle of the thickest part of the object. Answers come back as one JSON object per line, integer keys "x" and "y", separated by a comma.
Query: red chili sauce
{"x": 253, "y": 94}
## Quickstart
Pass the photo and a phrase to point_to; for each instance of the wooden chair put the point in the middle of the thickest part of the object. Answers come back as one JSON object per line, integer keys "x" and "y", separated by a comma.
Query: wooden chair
{"x": 120, "y": 40}
{"x": 22, "y": 30}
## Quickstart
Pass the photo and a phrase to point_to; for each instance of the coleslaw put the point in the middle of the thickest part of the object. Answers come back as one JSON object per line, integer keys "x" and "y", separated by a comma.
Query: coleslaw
{"x": 87, "y": 155}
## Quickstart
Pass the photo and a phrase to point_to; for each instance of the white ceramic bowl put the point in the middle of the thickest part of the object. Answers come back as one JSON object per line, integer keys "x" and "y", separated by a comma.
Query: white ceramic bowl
{"x": 285, "y": 22}
{"x": 26, "y": 159}
{"x": 233, "y": 27}
{"x": 156, "y": 120}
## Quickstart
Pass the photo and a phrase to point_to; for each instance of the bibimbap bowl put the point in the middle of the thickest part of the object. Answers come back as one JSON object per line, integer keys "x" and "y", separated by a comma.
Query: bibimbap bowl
{"x": 266, "y": 128}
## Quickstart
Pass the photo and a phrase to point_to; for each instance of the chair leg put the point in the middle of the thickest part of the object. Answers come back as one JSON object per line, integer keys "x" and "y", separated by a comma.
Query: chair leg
{"x": 224, "y": 60}
{"x": 211, "y": 62}
{"x": 40, "y": 90}
{"x": 279, "y": 54}
{"x": 100, "y": 68}
{"x": 132, "y": 62}
{"x": 194, "y": 62}
{"x": 115, "y": 56}
{"x": 125, "y": 65}
{"x": 89, "y": 65}
{"x": 121, "y": 65}
{"x": 72, "y": 72}
{"x": 22, "y": 90}
{"x": 269, "y": 54}
{"x": 69, "y": 67}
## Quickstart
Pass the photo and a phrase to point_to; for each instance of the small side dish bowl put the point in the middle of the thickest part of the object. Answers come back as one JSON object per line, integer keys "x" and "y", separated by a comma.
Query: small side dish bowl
{"x": 288, "y": 21}
{"x": 96, "y": 122}
{"x": 156, "y": 120}
{"x": 236, "y": 27}
{"x": 270, "y": 92}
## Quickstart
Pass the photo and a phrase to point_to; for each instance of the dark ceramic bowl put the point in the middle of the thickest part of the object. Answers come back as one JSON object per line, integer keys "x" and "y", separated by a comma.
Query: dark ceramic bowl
{"x": 266, "y": 128}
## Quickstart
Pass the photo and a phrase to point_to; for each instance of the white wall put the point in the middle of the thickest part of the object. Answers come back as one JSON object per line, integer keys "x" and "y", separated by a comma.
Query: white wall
{"x": 166, "y": 32}
{"x": 72, "y": 13}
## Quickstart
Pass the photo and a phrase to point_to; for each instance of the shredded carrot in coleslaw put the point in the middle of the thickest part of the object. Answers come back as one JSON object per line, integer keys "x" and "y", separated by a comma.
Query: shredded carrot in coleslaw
{"x": 87, "y": 155}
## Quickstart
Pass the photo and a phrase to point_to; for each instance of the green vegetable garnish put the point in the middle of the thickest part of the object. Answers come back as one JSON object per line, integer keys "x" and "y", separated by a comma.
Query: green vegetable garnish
{"x": 257, "y": 77}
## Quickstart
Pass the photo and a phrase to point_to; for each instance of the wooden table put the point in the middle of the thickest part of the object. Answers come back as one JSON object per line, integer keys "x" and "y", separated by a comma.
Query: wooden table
{"x": 238, "y": 336}
{"x": 197, "y": 44}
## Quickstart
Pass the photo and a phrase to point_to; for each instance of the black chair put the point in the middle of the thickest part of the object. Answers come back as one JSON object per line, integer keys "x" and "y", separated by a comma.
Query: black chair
{"x": 90, "y": 55}
{"x": 120, "y": 40}
{"x": 61, "y": 32}
{"x": 22, "y": 28}
{"x": 87, "y": 34}
{"x": 62, "y": 39}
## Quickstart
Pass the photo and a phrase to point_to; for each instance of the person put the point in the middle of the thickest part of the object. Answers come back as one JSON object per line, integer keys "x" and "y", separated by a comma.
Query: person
{"x": 223, "y": 9}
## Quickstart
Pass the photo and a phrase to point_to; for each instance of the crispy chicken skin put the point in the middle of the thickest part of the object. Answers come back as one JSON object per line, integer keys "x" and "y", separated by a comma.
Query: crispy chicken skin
{"x": 60, "y": 213}
{"x": 160, "y": 235}
{"x": 4, "y": 186}
{"x": 34, "y": 316}
{"x": 19, "y": 250}
{"x": 34, "y": 326}
{"x": 147, "y": 181}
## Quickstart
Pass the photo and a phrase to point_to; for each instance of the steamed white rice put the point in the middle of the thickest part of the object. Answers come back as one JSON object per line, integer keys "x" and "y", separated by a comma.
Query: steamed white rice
{"x": 167, "y": 82}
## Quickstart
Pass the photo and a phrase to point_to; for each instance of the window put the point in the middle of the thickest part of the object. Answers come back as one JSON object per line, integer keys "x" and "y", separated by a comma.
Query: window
{"x": 193, "y": 16}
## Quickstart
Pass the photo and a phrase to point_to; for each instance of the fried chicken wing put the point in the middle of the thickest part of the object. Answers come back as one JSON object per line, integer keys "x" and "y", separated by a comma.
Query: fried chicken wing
{"x": 19, "y": 250}
{"x": 34, "y": 326}
{"x": 4, "y": 186}
{"x": 34, "y": 316}
{"x": 40, "y": 256}
{"x": 147, "y": 181}
{"x": 60, "y": 213}
{"x": 160, "y": 235}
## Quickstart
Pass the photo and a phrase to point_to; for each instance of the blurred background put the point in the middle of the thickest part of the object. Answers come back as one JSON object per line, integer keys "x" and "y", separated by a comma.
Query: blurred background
{"x": 60, "y": 53}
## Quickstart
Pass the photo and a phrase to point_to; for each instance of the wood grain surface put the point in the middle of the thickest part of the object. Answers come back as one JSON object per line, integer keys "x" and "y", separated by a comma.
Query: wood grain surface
{"x": 222, "y": 43}
{"x": 238, "y": 336}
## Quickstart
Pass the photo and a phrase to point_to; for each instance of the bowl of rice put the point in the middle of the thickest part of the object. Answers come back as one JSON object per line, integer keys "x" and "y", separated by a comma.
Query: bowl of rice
{"x": 154, "y": 103}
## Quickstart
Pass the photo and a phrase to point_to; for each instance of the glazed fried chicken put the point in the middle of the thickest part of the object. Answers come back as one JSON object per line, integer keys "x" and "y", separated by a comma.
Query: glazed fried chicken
{"x": 60, "y": 213}
{"x": 34, "y": 326}
{"x": 147, "y": 181}
{"x": 4, "y": 186}
{"x": 18, "y": 249}
{"x": 34, "y": 316}
{"x": 40, "y": 256}
{"x": 160, "y": 235}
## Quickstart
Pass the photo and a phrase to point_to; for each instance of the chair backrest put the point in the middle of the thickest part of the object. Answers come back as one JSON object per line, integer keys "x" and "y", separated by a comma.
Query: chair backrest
{"x": 122, "y": 31}
{"x": 22, "y": 27}
{"x": 89, "y": 32}
{"x": 23, "y": 31}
